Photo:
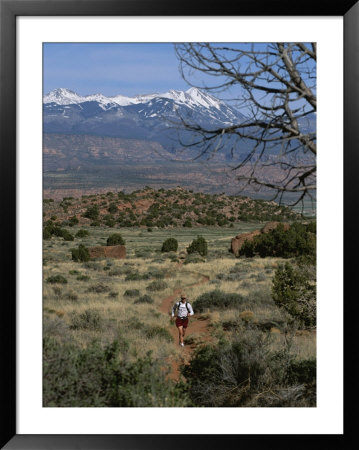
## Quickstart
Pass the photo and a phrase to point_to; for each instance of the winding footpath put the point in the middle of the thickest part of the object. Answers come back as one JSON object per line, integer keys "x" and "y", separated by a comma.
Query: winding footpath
{"x": 197, "y": 325}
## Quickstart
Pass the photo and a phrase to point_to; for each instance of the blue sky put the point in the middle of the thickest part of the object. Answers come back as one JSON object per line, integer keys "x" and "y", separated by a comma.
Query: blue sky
{"x": 111, "y": 69}
{"x": 124, "y": 68}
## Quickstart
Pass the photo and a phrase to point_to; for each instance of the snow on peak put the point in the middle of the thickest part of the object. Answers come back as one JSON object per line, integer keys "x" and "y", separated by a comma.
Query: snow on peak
{"x": 193, "y": 97}
{"x": 62, "y": 96}
{"x": 203, "y": 99}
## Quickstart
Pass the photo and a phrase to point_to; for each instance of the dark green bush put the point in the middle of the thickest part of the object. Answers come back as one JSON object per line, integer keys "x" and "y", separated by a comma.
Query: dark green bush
{"x": 46, "y": 233}
{"x": 98, "y": 288}
{"x": 135, "y": 276}
{"x": 82, "y": 233}
{"x": 88, "y": 320}
{"x": 112, "y": 209}
{"x": 157, "y": 285}
{"x": 110, "y": 222}
{"x": 82, "y": 277}
{"x": 51, "y": 229}
{"x": 144, "y": 299}
{"x": 294, "y": 290}
{"x": 295, "y": 241}
{"x": 170, "y": 245}
{"x": 67, "y": 236}
{"x": 73, "y": 221}
{"x": 56, "y": 279}
{"x": 80, "y": 254}
{"x": 187, "y": 223}
{"x": 132, "y": 293}
{"x": 302, "y": 371}
{"x": 246, "y": 373}
{"x": 198, "y": 245}
{"x": 103, "y": 377}
{"x": 154, "y": 272}
{"x": 217, "y": 300}
{"x": 92, "y": 212}
{"x": 115, "y": 239}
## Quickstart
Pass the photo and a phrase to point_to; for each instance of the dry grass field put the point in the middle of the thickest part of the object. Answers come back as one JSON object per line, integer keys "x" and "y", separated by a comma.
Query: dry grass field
{"x": 109, "y": 299}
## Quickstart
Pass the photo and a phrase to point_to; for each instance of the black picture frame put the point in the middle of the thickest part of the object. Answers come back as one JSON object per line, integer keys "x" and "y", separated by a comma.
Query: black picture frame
{"x": 9, "y": 10}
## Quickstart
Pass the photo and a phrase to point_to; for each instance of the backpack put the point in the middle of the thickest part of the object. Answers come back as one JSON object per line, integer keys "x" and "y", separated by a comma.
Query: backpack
{"x": 178, "y": 303}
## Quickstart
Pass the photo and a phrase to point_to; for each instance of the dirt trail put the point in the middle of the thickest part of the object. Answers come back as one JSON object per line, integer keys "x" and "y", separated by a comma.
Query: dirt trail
{"x": 197, "y": 325}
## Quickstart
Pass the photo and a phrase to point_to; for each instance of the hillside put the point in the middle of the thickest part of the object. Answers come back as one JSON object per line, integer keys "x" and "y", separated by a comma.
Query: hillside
{"x": 162, "y": 208}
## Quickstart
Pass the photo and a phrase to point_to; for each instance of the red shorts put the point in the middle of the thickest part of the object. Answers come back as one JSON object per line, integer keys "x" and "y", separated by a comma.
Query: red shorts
{"x": 182, "y": 322}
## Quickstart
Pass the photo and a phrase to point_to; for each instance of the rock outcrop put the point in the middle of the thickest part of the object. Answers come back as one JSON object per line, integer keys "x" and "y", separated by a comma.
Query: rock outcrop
{"x": 269, "y": 226}
{"x": 110, "y": 251}
{"x": 238, "y": 241}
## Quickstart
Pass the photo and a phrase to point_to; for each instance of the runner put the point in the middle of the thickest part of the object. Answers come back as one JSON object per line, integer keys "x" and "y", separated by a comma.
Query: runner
{"x": 184, "y": 309}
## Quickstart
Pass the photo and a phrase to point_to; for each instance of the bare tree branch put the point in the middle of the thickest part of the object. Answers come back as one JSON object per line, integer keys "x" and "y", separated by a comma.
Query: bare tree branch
{"x": 277, "y": 85}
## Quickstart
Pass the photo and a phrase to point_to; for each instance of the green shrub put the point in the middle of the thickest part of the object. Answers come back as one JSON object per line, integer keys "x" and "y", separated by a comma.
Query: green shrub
{"x": 157, "y": 285}
{"x": 51, "y": 229}
{"x": 132, "y": 293}
{"x": 144, "y": 299}
{"x": 92, "y": 212}
{"x": 246, "y": 373}
{"x": 88, "y": 320}
{"x": 295, "y": 241}
{"x": 73, "y": 221}
{"x": 80, "y": 254}
{"x": 98, "y": 288}
{"x": 56, "y": 279}
{"x": 217, "y": 300}
{"x": 156, "y": 273}
{"x": 302, "y": 371}
{"x": 82, "y": 277}
{"x": 104, "y": 377}
{"x": 67, "y": 236}
{"x": 46, "y": 234}
{"x": 115, "y": 239}
{"x": 112, "y": 209}
{"x": 198, "y": 245}
{"x": 135, "y": 276}
{"x": 82, "y": 233}
{"x": 294, "y": 290}
{"x": 187, "y": 223}
{"x": 170, "y": 245}
{"x": 110, "y": 222}
{"x": 114, "y": 272}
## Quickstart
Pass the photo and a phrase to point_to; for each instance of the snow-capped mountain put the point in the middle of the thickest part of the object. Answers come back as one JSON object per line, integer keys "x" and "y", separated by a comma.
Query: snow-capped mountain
{"x": 149, "y": 117}
{"x": 191, "y": 98}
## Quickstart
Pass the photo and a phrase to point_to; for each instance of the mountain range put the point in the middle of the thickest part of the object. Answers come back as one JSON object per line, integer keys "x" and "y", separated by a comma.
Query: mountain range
{"x": 97, "y": 142}
{"x": 152, "y": 117}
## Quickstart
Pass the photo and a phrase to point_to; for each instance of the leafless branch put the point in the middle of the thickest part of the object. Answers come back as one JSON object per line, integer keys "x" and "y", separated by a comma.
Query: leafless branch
{"x": 277, "y": 85}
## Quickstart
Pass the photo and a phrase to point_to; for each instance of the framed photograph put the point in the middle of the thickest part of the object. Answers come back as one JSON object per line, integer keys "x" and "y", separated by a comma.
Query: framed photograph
{"x": 120, "y": 130}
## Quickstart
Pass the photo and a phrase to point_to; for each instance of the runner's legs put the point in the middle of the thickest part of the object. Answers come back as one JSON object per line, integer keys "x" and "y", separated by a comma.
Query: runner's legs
{"x": 180, "y": 334}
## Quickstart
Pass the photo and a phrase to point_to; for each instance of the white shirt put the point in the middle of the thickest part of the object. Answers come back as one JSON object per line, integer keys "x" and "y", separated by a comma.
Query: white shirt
{"x": 182, "y": 310}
